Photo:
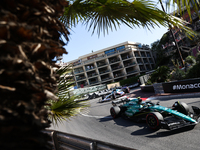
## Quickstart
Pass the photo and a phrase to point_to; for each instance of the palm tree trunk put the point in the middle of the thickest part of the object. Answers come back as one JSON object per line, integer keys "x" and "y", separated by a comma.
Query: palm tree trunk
{"x": 29, "y": 40}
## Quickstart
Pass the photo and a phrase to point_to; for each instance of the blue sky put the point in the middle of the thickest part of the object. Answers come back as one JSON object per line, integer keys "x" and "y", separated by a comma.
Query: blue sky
{"x": 83, "y": 42}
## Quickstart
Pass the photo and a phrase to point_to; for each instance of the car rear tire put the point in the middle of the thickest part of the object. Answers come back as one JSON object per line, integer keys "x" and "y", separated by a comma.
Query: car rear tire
{"x": 127, "y": 90}
{"x": 113, "y": 96}
{"x": 154, "y": 120}
{"x": 115, "y": 112}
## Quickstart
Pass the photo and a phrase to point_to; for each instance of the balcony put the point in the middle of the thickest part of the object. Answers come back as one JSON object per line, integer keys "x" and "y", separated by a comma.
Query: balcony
{"x": 131, "y": 71}
{"x": 140, "y": 62}
{"x": 116, "y": 75}
{"x": 114, "y": 60}
{"x": 92, "y": 75}
{"x": 104, "y": 79}
{"x": 80, "y": 78}
{"x": 103, "y": 71}
{"x": 126, "y": 57}
{"x": 137, "y": 54}
{"x": 117, "y": 67}
{"x": 148, "y": 55}
{"x": 101, "y": 64}
{"x": 151, "y": 61}
{"x": 93, "y": 82}
{"x": 129, "y": 64}
{"x": 77, "y": 72}
{"x": 89, "y": 68}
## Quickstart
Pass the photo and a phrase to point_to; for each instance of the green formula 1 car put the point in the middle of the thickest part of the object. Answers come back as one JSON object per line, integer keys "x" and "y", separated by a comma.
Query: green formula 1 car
{"x": 156, "y": 116}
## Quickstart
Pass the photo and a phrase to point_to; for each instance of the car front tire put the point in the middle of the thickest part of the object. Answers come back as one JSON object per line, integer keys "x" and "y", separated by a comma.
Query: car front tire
{"x": 154, "y": 120}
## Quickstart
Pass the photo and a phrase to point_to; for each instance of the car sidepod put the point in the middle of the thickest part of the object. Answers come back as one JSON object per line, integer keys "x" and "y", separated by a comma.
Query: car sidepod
{"x": 175, "y": 120}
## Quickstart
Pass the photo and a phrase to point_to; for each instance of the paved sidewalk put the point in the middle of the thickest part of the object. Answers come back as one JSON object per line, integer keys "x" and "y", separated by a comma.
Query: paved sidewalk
{"x": 152, "y": 95}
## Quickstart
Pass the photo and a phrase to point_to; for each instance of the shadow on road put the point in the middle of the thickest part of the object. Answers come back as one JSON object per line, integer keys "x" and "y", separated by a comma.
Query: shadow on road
{"x": 169, "y": 133}
{"x": 122, "y": 122}
{"x": 105, "y": 119}
{"x": 159, "y": 133}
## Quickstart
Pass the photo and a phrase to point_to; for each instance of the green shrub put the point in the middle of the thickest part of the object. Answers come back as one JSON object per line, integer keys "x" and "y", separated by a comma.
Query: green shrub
{"x": 130, "y": 80}
{"x": 177, "y": 74}
{"x": 161, "y": 74}
{"x": 194, "y": 72}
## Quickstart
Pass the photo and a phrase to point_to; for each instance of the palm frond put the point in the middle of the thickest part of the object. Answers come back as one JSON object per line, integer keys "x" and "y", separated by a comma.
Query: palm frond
{"x": 66, "y": 106}
{"x": 102, "y": 16}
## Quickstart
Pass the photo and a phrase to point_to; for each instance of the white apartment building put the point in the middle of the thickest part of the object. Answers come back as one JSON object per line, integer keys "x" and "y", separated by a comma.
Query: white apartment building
{"x": 112, "y": 64}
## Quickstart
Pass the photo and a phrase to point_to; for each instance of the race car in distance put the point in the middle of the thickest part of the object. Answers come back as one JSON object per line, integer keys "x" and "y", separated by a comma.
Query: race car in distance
{"x": 116, "y": 93}
{"x": 156, "y": 116}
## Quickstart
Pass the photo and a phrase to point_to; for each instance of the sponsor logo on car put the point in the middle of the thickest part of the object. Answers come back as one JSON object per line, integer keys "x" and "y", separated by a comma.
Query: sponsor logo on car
{"x": 174, "y": 123}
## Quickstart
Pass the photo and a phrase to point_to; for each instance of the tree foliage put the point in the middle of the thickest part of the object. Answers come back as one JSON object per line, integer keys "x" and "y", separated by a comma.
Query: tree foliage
{"x": 194, "y": 71}
{"x": 101, "y": 16}
{"x": 29, "y": 40}
{"x": 67, "y": 104}
{"x": 161, "y": 74}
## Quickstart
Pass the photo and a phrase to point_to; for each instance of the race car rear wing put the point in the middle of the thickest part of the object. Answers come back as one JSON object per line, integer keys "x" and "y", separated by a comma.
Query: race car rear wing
{"x": 196, "y": 110}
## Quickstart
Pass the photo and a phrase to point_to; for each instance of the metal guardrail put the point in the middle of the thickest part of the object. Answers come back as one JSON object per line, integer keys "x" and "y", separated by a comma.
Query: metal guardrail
{"x": 66, "y": 141}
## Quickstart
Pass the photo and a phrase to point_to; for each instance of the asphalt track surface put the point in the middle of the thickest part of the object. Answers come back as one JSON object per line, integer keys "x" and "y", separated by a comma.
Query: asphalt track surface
{"x": 95, "y": 122}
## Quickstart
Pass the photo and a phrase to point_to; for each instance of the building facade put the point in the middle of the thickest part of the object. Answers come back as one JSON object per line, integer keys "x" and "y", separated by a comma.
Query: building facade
{"x": 112, "y": 64}
{"x": 190, "y": 46}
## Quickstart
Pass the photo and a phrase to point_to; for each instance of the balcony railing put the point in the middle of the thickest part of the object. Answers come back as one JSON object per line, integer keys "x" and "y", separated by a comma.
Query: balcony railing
{"x": 76, "y": 64}
{"x": 150, "y": 61}
{"x": 130, "y": 72}
{"x": 127, "y": 57}
{"x": 103, "y": 64}
{"x": 117, "y": 67}
{"x": 91, "y": 75}
{"x": 93, "y": 82}
{"x": 90, "y": 68}
{"x": 148, "y": 55}
{"x": 114, "y": 60}
{"x": 104, "y": 71}
{"x": 80, "y": 78}
{"x": 106, "y": 79}
{"x": 129, "y": 64}
{"x": 76, "y": 72}
{"x": 118, "y": 75}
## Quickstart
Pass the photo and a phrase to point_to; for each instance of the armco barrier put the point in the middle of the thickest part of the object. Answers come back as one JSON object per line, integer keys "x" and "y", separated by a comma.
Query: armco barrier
{"x": 65, "y": 141}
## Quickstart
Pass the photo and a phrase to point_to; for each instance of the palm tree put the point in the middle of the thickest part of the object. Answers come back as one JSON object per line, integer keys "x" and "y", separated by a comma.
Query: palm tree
{"x": 30, "y": 40}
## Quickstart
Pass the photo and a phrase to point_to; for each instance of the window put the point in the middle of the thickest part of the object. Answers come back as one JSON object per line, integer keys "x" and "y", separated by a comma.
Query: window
{"x": 121, "y": 47}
